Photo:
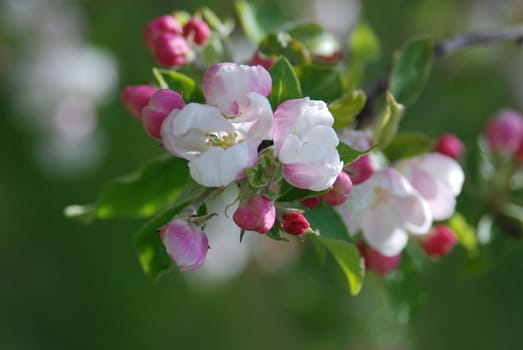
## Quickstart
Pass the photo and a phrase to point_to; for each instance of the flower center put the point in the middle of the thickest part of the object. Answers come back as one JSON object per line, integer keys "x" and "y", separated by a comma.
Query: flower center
{"x": 221, "y": 139}
{"x": 381, "y": 196}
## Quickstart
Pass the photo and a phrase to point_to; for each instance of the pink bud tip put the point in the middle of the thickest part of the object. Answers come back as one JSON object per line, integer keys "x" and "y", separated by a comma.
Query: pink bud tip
{"x": 171, "y": 50}
{"x": 340, "y": 191}
{"x": 504, "y": 132}
{"x": 294, "y": 223}
{"x": 197, "y": 29}
{"x": 360, "y": 170}
{"x": 439, "y": 241}
{"x": 257, "y": 214}
{"x": 261, "y": 60}
{"x": 135, "y": 98}
{"x": 159, "y": 107}
{"x": 311, "y": 202}
{"x": 185, "y": 244}
{"x": 158, "y": 26}
{"x": 377, "y": 262}
{"x": 449, "y": 145}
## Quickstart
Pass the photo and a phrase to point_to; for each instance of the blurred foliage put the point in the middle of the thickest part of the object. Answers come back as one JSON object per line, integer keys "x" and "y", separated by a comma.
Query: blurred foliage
{"x": 69, "y": 286}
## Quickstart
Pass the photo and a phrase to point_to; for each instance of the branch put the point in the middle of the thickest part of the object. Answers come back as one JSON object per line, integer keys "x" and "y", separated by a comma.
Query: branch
{"x": 441, "y": 50}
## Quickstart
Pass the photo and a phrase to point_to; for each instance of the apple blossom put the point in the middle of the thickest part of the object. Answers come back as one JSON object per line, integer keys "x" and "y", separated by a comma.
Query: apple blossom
{"x": 136, "y": 97}
{"x": 384, "y": 209}
{"x": 504, "y": 132}
{"x": 256, "y": 214}
{"x": 160, "y": 105}
{"x": 305, "y": 143}
{"x": 437, "y": 178}
{"x": 340, "y": 191}
{"x": 185, "y": 243}
{"x": 221, "y": 148}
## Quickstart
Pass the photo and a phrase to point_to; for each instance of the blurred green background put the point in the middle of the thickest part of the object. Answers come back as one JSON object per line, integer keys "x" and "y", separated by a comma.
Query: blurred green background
{"x": 64, "y": 285}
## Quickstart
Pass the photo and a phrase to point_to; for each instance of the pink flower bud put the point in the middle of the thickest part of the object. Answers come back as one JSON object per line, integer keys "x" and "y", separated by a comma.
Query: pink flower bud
{"x": 333, "y": 58}
{"x": 197, "y": 29}
{"x": 171, "y": 50}
{"x": 360, "y": 170}
{"x": 504, "y": 132}
{"x": 159, "y": 107}
{"x": 186, "y": 245}
{"x": 311, "y": 202}
{"x": 264, "y": 61}
{"x": 294, "y": 223}
{"x": 136, "y": 97}
{"x": 257, "y": 214}
{"x": 449, "y": 145}
{"x": 158, "y": 26}
{"x": 375, "y": 261}
{"x": 439, "y": 241}
{"x": 340, "y": 191}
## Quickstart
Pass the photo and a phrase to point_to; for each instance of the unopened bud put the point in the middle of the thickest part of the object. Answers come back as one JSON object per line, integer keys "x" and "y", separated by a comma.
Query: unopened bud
{"x": 261, "y": 60}
{"x": 360, "y": 170}
{"x": 449, "y": 145}
{"x": 340, "y": 191}
{"x": 161, "y": 103}
{"x": 136, "y": 97}
{"x": 439, "y": 241}
{"x": 185, "y": 244}
{"x": 257, "y": 214}
{"x": 294, "y": 223}
{"x": 504, "y": 132}
{"x": 196, "y": 29}
{"x": 311, "y": 202}
{"x": 158, "y": 26}
{"x": 377, "y": 262}
{"x": 171, "y": 50}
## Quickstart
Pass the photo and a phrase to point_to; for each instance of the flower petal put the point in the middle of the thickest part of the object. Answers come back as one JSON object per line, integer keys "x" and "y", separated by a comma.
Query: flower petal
{"x": 256, "y": 118}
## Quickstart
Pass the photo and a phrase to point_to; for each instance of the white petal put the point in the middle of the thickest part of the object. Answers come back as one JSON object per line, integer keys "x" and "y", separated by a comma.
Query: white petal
{"x": 256, "y": 118}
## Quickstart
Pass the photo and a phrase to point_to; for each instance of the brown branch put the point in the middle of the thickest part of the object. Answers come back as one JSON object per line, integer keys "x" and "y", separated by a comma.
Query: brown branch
{"x": 442, "y": 49}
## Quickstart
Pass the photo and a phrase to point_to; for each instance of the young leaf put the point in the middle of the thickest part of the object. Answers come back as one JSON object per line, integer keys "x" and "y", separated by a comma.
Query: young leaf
{"x": 465, "y": 233}
{"x": 257, "y": 20}
{"x": 183, "y": 84}
{"x": 364, "y": 45}
{"x": 316, "y": 39}
{"x": 349, "y": 154}
{"x": 282, "y": 44}
{"x": 348, "y": 258}
{"x": 285, "y": 84}
{"x": 411, "y": 70}
{"x": 224, "y": 28}
{"x": 389, "y": 123}
{"x": 407, "y": 145}
{"x": 319, "y": 83}
{"x": 347, "y": 107}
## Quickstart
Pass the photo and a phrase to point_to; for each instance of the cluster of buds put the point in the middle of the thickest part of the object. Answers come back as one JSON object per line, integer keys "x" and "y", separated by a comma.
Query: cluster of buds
{"x": 172, "y": 42}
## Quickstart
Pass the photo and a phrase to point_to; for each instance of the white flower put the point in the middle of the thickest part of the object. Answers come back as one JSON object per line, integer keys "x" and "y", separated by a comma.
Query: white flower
{"x": 385, "y": 208}
{"x": 305, "y": 143}
{"x": 437, "y": 178}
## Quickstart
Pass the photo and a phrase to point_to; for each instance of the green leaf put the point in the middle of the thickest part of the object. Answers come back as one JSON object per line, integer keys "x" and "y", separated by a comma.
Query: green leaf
{"x": 348, "y": 258}
{"x": 285, "y": 84}
{"x": 316, "y": 39}
{"x": 289, "y": 193}
{"x": 347, "y": 107}
{"x": 389, "y": 122}
{"x": 183, "y": 84}
{"x": 407, "y": 145}
{"x": 213, "y": 51}
{"x": 224, "y": 28}
{"x": 320, "y": 83}
{"x": 411, "y": 70}
{"x": 364, "y": 46}
{"x": 141, "y": 194}
{"x": 325, "y": 221}
{"x": 465, "y": 233}
{"x": 282, "y": 44}
{"x": 349, "y": 154}
{"x": 258, "y": 20}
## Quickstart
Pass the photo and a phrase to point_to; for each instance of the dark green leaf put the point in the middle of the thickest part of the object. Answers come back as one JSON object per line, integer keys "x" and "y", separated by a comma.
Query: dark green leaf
{"x": 411, "y": 70}
{"x": 258, "y": 20}
{"x": 349, "y": 154}
{"x": 285, "y": 84}
{"x": 282, "y": 44}
{"x": 407, "y": 145}
{"x": 183, "y": 84}
{"x": 289, "y": 193}
{"x": 327, "y": 222}
{"x": 346, "y": 108}
{"x": 320, "y": 83}
{"x": 316, "y": 39}
{"x": 348, "y": 258}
